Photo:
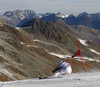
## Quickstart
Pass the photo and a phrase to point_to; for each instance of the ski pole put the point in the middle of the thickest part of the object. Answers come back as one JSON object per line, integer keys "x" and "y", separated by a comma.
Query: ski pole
{"x": 46, "y": 69}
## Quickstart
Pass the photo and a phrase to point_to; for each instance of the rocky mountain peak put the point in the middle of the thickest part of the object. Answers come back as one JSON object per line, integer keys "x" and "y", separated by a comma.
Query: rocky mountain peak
{"x": 21, "y": 14}
{"x": 82, "y": 14}
{"x": 15, "y": 17}
{"x": 62, "y": 15}
{"x": 2, "y": 22}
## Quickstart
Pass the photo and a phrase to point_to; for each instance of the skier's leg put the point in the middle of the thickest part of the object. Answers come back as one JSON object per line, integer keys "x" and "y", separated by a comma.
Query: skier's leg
{"x": 68, "y": 70}
{"x": 56, "y": 74}
{"x": 63, "y": 71}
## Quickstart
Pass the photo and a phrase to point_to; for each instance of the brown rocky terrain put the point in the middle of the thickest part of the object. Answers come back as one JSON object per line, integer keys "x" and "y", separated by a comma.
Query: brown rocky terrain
{"x": 25, "y": 52}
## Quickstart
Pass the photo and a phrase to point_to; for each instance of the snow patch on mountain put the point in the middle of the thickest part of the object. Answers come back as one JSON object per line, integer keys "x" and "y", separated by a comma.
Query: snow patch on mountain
{"x": 62, "y": 15}
{"x": 86, "y": 59}
{"x": 83, "y": 42}
{"x": 27, "y": 45}
{"x": 69, "y": 57}
{"x": 95, "y": 51}
{"x": 58, "y": 55}
{"x": 66, "y": 56}
{"x": 59, "y": 14}
{"x": 75, "y": 15}
{"x": 17, "y": 28}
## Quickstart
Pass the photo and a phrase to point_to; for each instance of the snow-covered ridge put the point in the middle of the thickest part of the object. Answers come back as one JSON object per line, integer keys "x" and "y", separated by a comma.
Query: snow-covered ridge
{"x": 62, "y": 15}
{"x": 59, "y": 14}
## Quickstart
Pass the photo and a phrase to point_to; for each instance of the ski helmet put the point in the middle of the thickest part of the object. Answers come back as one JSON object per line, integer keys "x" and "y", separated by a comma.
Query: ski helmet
{"x": 60, "y": 61}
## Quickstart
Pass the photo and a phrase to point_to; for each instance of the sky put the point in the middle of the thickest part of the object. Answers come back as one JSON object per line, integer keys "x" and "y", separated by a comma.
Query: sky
{"x": 51, "y": 6}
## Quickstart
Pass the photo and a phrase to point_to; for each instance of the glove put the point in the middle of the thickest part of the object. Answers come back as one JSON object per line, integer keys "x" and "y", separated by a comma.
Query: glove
{"x": 54, "y": 70}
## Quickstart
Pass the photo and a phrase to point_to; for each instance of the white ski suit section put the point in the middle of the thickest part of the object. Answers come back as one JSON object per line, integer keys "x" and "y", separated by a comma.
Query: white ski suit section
{"x": 66, "y": 69}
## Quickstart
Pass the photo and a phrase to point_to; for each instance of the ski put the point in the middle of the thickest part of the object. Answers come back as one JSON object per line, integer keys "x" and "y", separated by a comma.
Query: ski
{"x": 51, "y": 77}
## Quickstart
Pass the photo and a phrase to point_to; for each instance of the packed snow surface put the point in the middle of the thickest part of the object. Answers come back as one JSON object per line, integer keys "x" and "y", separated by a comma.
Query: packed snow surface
{"x": 73, "y": 80}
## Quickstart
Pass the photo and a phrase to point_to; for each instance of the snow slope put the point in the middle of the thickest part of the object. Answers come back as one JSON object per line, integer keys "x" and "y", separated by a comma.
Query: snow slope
{"x": 73, "y": 80}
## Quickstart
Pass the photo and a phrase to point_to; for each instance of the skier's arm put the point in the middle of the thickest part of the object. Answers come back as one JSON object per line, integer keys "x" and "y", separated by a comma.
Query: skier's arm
{"x": 57, "y": 68}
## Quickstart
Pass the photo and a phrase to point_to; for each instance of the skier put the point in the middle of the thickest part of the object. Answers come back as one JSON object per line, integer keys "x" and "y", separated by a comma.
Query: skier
{"x": 66, "y": 68}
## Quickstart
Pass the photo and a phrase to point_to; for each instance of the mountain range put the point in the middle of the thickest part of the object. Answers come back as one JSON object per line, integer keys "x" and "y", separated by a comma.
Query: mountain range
{"x": 19, "y": 17}
{"x": 33, "y": 49}
{"x": 88, "y": 20}
{"x": 15, "y": 17}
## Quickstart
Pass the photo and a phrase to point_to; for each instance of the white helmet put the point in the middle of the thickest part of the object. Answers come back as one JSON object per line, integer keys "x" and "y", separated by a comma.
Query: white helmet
{"x": 60, "y": 61}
